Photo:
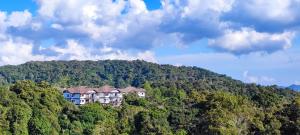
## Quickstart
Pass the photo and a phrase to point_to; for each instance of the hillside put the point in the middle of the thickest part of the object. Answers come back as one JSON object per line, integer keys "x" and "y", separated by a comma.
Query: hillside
{"x": 179, "y": 101}
{"x": 136, "y": 73}
{"x": 118, "y": 73}
{"x": 295, "y": 87}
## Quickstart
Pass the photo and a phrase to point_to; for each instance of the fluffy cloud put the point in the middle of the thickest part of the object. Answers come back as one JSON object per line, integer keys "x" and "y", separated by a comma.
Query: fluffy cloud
{"x": 74, "y": 50}
{"x": 258, "y": 79}
{"x": 248, "y": 40}
{"x": 119, "y": 24}
{"x": 10, "y": 53}
{"x": 93, "y": 29}
{"x": 275, "y": 15}
{"x": 18, "y": 19}
{"x": 193, "y": 20}
{"x": 17, "y": 52}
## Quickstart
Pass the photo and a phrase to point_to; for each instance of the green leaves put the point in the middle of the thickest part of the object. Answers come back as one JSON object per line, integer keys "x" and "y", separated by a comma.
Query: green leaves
{"x": 180, "y": 100}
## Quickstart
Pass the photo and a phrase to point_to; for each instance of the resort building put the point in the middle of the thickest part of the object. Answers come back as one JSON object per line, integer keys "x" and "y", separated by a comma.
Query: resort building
{"x": 107, "y": 95}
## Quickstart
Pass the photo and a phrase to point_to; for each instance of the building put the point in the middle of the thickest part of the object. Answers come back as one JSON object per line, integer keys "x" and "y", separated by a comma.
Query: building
{"x": 139, "y": 91}
{"x": 79, "y": 95}
{"x": 106, "y": 95}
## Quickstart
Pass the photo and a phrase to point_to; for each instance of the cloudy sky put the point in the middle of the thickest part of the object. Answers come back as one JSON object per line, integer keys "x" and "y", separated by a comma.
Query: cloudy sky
{"x": 251, "y": 40}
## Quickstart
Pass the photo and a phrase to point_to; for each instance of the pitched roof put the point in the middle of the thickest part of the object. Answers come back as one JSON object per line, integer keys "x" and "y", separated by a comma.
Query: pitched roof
{"x": 132, "y": 89}
{"x": 106, "y": 89}
{"x": 80, "y": 89}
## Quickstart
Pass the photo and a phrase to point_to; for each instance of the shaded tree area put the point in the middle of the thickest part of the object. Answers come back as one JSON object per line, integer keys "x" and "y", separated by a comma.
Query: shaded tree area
{"x": 179, "y": 101}
{"x": 135, "y": 73}
{"x": 39, "y": 109}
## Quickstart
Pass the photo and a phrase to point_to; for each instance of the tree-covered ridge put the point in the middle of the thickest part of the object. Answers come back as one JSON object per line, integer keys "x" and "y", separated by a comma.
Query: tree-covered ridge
{"x": 135, "y": 73}
{"x": 180, "y": 100}
{"x": 39, "y": 109}
{"x": 115, "y": 72}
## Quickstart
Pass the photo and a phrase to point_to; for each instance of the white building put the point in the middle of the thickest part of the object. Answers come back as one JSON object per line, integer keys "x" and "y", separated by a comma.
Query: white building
{"x": 79, "y": 95}
{"x": 107, "y": 95}
{"x": 139, "y": 91}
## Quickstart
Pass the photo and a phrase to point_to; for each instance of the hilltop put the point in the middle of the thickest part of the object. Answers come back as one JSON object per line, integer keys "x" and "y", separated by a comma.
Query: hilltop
{"x": 295, "y": 87}
{"x": 121, "y": 73}
{"x": 179, "y": 101}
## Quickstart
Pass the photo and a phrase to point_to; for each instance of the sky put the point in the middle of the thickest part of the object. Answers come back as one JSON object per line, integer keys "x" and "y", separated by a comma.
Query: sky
{"x": 256, "y": 41}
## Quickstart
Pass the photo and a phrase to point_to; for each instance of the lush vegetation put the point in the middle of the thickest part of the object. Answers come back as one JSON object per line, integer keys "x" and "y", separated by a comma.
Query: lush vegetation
{"x": 180, "y": 101}
{"x": 135, "y": 73}
{"x": 39, "y": 109}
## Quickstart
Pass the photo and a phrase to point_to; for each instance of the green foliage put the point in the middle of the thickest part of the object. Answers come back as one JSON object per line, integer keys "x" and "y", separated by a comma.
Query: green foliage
{"x": 229, "y": 114}
{"x": 137, "y": 73}
{"x": 153, "y": 122}
{"x": 290, "y": 117}
{"x": 179, "y": 101}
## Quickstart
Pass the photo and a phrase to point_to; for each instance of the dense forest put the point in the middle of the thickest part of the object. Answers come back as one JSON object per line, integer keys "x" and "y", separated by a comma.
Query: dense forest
{"x": 180, "y": 101}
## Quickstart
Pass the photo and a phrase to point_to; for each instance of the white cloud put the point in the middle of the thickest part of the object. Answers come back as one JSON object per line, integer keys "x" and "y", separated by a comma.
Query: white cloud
{"x": 147, "y": 56}
{"x": 297, "y": 82}
{"x": 248, "y": 40}
{"x": 119, "y": 24}
{"x": 70, "y": 11}
{"x": 129, "y": 25}
{"x": 2, "y": 21}
{"x": 264, "y": 80}
{"x": 10, "y": 53}
{"x": 17, "y": 52}
{"x": 275, "y": 10}
{"x": 57, "y": 26}
{"x": 265, "y": 15}
{"x": 204, "y": 7}
{"x": 17, "y": 18}
{"x": 194, "y": 20}
{"x": 72, "y": 51}
{"x": 112, "y": 29}
{"x": 76, "y": 51}
{"x": 2, "y": 25}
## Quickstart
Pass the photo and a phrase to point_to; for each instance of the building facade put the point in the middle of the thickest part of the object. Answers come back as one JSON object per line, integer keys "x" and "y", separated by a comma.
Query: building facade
{"x": 79, "y": 95}
{"x": 106, "y": 95}
{"x": 139, "y": 91}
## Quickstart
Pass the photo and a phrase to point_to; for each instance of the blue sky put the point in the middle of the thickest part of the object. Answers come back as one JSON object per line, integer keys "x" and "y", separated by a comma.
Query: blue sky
{"x": 254, "y": 41}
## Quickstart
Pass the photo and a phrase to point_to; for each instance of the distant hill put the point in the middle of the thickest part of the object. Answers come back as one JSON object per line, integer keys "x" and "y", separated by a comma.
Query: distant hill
{"x": 120, "y": 73}
{"x": 295, "y": 87}
{"x": 179, "y": 101}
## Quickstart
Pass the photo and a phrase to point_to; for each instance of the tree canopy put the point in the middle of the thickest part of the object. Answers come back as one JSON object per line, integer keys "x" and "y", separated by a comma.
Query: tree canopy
{"x": 179, "y": 101}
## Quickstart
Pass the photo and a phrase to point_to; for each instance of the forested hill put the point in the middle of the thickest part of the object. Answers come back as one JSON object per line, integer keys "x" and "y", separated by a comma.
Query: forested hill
{"x": 114, "y": 72}
{"x": 179, "y": 101}
{"x": 123, "y": 73}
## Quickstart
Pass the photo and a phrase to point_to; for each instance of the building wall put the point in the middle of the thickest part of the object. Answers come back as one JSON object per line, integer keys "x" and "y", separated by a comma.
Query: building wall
{"x": 108, "y": 98}
{"x": 114, "y": 97}
{"x": 141, "y": 94}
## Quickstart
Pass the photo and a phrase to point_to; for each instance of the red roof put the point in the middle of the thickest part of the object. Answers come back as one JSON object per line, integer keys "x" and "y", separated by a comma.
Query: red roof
{"x": 105, "y": 89}
{"x": 80, "y": 89}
